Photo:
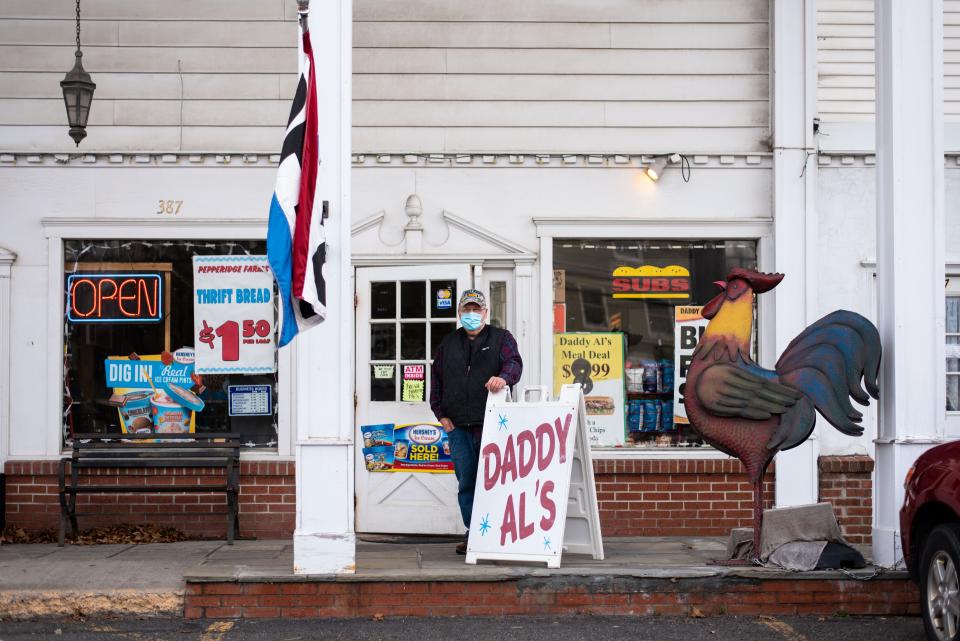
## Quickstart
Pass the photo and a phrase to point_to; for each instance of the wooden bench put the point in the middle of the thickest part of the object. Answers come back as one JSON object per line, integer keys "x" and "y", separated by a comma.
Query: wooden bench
{"x": 142, "y": 451}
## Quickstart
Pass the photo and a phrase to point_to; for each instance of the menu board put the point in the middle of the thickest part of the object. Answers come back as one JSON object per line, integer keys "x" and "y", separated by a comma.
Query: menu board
{"x": 595, "y": 361}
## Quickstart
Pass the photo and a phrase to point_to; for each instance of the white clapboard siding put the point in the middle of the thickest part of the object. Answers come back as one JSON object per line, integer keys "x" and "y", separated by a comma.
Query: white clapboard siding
{"x": 550, "y": 76}
{"x": 555, "y": 76}
{"x": 845, "y": 61}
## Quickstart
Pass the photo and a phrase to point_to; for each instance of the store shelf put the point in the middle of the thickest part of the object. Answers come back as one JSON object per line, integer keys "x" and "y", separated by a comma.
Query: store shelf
{"x": 649, "y": 395}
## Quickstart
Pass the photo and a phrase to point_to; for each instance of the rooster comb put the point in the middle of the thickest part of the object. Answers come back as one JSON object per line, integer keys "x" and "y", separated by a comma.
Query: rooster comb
{"x": 759, "y": 281}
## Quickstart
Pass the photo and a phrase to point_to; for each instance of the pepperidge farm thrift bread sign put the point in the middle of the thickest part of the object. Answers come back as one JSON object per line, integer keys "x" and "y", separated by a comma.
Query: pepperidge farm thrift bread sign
{"x": 233, "y": 315}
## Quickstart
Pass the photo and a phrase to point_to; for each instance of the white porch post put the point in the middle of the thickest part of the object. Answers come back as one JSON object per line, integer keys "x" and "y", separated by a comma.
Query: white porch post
{"x": 794, "y": 184}
{"x": 6, "y": 262}
{"x": 324, "y": 541}
{"x": 910, "y": 251}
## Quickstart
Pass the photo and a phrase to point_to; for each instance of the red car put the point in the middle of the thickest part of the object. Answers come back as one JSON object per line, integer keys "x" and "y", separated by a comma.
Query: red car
{"x": 930, "y": 533}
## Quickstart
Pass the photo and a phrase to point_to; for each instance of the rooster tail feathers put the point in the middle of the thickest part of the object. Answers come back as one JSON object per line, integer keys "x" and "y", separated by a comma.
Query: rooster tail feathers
{"x": 827, "y": 362}
{"x": 854, "y": 336}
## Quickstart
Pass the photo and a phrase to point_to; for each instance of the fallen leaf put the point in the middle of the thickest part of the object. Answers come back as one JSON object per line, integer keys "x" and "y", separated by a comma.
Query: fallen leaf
{"x": 697, "y": 613}
{"x": 378, "y": 617}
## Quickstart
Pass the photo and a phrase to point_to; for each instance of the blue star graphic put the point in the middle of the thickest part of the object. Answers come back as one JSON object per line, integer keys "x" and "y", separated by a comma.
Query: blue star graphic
{"x": 503, "y": 422}
{"x": 485, "y": 525}
{"x": 546, "y": 544}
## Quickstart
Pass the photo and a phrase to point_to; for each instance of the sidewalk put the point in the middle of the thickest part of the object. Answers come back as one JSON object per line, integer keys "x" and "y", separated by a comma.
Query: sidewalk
{"x": 255, "y": 578}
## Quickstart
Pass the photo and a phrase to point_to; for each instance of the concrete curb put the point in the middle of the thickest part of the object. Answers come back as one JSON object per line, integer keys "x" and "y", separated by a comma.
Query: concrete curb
{"x": 33, "y": 604}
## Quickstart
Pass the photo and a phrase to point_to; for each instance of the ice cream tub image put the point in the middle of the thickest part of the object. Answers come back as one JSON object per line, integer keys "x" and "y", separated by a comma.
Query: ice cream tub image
{"x": 135, "y": 411}
{"x": 169, "y": 416}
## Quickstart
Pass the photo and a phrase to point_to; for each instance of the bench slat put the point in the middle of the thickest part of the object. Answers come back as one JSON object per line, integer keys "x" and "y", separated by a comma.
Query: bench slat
{"x": 199, "y": 436}
{"x": 133, "y": 489}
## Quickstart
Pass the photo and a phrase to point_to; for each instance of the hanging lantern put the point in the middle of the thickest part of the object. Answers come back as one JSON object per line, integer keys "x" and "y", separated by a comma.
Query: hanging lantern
{"x": 78, "y": 93}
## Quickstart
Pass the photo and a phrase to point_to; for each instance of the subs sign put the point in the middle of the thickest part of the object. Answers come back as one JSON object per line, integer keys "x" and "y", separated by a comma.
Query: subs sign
{"x": 529, "y": 454}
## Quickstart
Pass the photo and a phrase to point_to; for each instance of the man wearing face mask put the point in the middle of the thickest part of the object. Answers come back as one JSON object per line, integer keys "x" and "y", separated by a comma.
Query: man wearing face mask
{"x": 469, "y": 363}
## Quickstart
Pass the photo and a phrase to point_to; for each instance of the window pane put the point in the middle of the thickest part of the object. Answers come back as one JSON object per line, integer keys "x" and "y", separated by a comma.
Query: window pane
{"x": 413, "y": 384}
{"x": 953, "y": 353}
{"x": 383, "y": 300}
{"x": 953, "y": 393}
{"x": 498, "y": 303}
{"x": 443, "y": 298}
{"x": 97, "y": 403}
{"x": 413, "y": 299}
{"x": 413, "y": 340}
{"x": 953, "y": 314}
{"x": 383, "y": 382}
{"x": 437, "y": 332}
{"x": 383, "y": 341}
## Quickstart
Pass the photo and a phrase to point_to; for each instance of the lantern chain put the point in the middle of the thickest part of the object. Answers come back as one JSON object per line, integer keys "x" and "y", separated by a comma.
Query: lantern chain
{"x": 78, "y": 25}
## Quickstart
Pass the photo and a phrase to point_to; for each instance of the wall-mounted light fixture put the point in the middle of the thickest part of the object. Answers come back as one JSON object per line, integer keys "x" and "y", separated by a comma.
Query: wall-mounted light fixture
{"x": 654, "y": 170}
{"x": 78, "y": 93}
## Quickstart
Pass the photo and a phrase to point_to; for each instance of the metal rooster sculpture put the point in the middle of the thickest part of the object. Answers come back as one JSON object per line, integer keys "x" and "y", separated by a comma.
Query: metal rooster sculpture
{"x": 752, "y": 413}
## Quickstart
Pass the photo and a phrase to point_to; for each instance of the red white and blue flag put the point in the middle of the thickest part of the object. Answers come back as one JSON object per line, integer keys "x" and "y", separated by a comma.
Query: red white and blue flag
{"x": 296, "y": 240}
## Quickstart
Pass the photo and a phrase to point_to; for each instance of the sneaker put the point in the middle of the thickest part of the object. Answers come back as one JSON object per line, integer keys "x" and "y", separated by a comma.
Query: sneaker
{"x": 462, "y": 548}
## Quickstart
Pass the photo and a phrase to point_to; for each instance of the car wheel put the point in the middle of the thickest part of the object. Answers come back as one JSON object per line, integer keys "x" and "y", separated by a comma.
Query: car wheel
{"x": 939, "y": 579}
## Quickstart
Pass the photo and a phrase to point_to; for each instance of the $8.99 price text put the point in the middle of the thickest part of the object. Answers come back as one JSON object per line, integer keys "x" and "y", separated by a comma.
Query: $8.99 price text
{"x": 231, "y": 336}
{"x": 596, "y": 369}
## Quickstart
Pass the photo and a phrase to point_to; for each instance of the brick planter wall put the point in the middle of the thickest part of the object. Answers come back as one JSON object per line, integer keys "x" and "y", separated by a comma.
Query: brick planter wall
{"x": 553, "y": 595}
{"x": 847, "y": 483}
{"x": 267, "y": 499}
{"x": 645, "y": 497}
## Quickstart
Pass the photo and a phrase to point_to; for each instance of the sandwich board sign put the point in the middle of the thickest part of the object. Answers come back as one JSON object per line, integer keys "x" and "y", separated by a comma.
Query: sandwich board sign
{"x": 535, "y": 495}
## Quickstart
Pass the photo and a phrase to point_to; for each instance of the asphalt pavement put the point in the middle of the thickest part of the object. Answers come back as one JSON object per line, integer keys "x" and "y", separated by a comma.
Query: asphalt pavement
{"x": 651, "y": 628}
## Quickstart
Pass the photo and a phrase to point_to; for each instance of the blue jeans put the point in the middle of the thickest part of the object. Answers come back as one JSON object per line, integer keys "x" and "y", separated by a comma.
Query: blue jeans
{"x": 465, "y": 452}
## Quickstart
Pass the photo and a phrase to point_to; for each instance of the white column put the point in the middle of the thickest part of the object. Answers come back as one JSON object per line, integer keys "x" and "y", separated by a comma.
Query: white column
{"x": 910, "y": 251}
{"x": 794, "y": 185}
{"x": 6, "y": 261}
{"x": 324, "y": 541}
{"x": 526, "y": 323}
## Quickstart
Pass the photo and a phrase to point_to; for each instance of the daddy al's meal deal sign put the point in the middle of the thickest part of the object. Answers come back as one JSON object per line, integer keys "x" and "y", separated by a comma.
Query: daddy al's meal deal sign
{"x": 688, "y": 328}
{"x": 234, "y": 315}
{"x": 595, "y": 361}
{"x": 414, "y": 447}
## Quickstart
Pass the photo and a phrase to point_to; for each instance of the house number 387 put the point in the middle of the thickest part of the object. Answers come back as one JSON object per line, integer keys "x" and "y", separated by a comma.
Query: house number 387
{"x": 169, "y": 206}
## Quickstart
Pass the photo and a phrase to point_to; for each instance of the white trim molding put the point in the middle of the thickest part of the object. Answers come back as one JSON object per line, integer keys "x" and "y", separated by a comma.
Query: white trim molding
{"x": 7, "y": 259}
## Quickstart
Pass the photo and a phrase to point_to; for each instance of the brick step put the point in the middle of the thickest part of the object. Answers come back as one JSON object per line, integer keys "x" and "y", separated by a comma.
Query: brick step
{"x": 559, "y": 595}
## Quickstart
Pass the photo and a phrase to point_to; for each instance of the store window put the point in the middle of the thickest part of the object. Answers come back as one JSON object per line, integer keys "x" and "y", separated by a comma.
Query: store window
{"x": 953, "y": 346}
{"x": 130, "y": 354}
{"x": 626, "y": 318}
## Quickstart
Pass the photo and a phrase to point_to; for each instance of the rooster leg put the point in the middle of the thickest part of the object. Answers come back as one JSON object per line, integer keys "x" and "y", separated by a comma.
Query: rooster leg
{"x": 757, "y": 515}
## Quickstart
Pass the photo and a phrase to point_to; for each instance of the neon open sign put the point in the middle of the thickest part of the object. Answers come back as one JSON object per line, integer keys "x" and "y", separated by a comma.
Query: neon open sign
{"x": 114, "y": 298}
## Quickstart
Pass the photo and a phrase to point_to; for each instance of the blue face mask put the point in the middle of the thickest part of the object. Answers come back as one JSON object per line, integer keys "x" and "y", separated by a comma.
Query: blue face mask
{"x": 471, "y": 321}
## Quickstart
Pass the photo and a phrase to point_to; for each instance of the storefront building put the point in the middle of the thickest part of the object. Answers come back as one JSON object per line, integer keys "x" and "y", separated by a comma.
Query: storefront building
{"x": 492, "y": 147}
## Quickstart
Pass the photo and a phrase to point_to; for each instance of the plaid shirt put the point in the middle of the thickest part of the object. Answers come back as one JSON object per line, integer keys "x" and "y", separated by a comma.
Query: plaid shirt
{"x": 510, "y": 369}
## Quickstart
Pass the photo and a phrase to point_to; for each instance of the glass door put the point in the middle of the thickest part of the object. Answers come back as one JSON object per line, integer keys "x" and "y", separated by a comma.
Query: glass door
{"x": 402, "y": 315}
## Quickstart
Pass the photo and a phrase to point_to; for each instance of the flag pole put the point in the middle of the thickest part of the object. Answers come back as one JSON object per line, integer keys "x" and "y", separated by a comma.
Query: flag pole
{"x": 303, "y": 7}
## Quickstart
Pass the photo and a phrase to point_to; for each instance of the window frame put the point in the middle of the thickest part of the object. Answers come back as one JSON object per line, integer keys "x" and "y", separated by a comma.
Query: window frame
{"x": 56, "y": 230}
{"x": 952, "y": 290}
{"x": 759, "y": 230}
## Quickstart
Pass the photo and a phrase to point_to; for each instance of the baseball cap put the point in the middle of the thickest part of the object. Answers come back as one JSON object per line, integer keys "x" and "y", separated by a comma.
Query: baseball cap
{"x": 474, "y": 296}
